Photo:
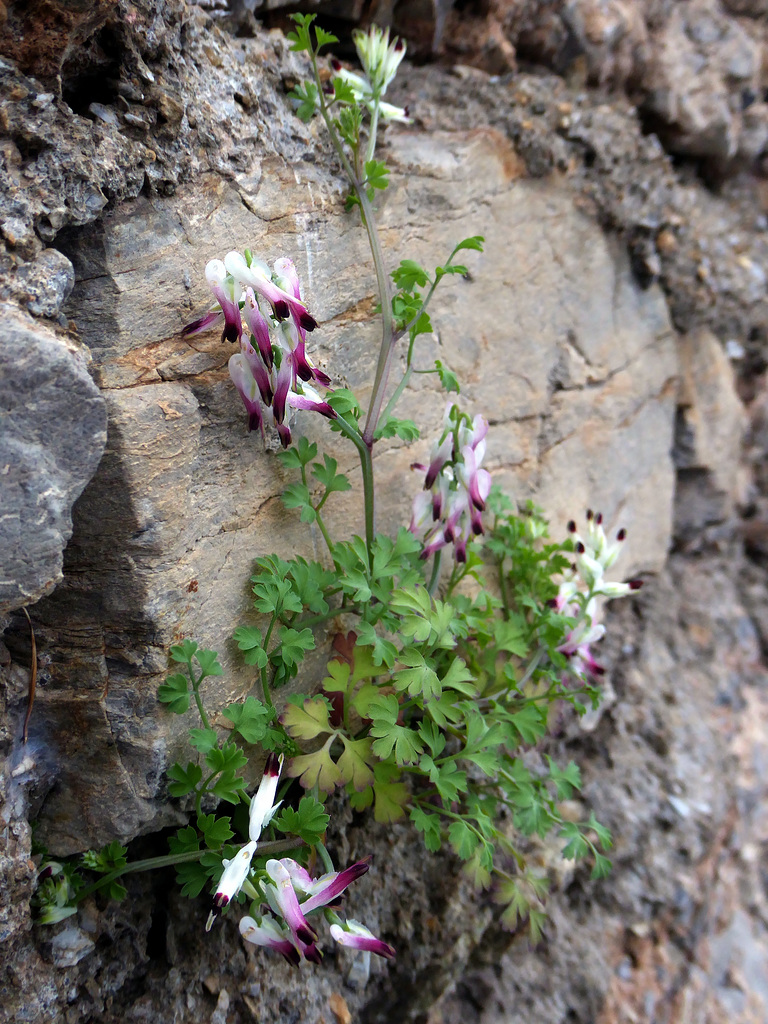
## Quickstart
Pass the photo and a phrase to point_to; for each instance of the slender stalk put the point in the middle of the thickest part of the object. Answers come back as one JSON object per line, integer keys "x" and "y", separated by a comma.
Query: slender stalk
{"x": 324, "y": 531}
{"x": 198, "y": 701}
{"x": 151, "y": 863}
{"x": 373, "y": 129}
{"x": 435, "y": 577}
{"x": 387, "y": 324}
{"x": 390, "y": 406}
{"x": 325, "y": 857}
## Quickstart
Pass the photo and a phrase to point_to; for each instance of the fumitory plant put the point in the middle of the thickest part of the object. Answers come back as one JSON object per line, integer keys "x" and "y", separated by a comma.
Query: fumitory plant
{"x": 444, "y": 679}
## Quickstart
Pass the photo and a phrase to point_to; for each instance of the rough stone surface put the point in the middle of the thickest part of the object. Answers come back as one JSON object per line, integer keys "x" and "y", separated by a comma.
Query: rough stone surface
{"x": 140, "y": 140}
{"x": 53, "y": 432}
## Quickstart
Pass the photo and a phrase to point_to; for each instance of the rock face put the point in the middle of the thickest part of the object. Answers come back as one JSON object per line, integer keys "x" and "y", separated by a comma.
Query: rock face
{"x": 141, "y": 142}
{"x": 185, "y": 499}
{"x": 54, "y": 429}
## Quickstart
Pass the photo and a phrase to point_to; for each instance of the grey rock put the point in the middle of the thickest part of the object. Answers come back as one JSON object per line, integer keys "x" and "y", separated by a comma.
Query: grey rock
{"x": 45, "y": 283}
{"x": 53, "y": 436}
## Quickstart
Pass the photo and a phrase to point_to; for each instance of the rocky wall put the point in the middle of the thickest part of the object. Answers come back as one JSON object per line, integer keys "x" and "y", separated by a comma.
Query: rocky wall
{"x": 564, "y": 336}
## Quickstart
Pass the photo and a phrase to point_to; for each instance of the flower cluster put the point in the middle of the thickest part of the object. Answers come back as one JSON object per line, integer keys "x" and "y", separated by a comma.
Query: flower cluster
{"x": 578, "y": 593}
{"x": 449, "y": 508}
{"x": 270, "y": 376}
{"x": 292, "y": 894}
{"x": 380, "y": 60}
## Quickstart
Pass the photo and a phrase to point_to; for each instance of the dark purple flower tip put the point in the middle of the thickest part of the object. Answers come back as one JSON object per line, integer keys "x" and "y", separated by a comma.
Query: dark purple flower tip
{"x": 272, "y": 766}
{"x": 597, "y": 670}
{"x": 635, "y": 584}
{"x": 200, "y": 324}
{"x": 313, "y": 954}
{"x": 284, "y": 433}
{"x": 306, "y": 935}
{"x": 622, "y": 534}
{"x": 599, "y": 518}
{"x": 322, "y": 378}
{"x": 461, "y": 553}
{"x": 254, "y": 420}
{"x": 45, "y": 873}
{"x": 590, "y": 515}
{"x": 336, "y": 64}
{"x": 304, "y": 370}
{"x": 424, "y": 555}
{"x": 399, "y": 45}
{"x": 328, "y": 88}
{"x": 230, "y": 333}
{"x": 280, "y": 309}
{"x": 477, "y": 528}
{"x": 580, "y": 548}
{"x": 571, "y": 526}
{"x": 220, "y": 900}
{"x": 307, "y": 321}
{"x": 291, "y": 954}
{"x": 407, "y": 111}
{"x": 552, "y": 602}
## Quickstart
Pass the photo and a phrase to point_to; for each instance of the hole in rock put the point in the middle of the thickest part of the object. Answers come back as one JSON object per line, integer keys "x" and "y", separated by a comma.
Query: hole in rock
{"x": 91, "y": 76}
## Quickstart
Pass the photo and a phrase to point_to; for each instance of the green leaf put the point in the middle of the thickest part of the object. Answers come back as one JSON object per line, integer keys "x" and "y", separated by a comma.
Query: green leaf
{"x": 530, "y": 723}
{"x": 185, "y": 841}
{"x": 343, "y": 401}
{"x": 203, "y": 739}
{"x": 298, "y": 496}
{"x": 175, "y": 693}
{"x": 602, "y": 866}
{"x": 406, "y": 430}
{"x": 216, "y": 831}
{"x": 228, "y": 786}
{"x": 228, "y": 757}
{"x": 310, "y": 581}
{"x": 309, "y": 821}
{"x": 328, "y": 477}
{"x": 376, "y": 174}
{"x": 406, "y": 744}
{"x": 463, "y": 840}
{"x": 475, "y": 242}
{"x": 315, "y": 769}
{"x": 409, "y": 275}
{"x": 299, "y": 37}
{"x": 192, "y": 878}
{"x": 383, "y": 652}
{"x": 355, "y": 763}
{"x": 508, "y": 637}
{"x": 184, "y": 651}
{"x": 576, "y": 846}
{"x": 308, "y": 721}
{"x": 566, "y": 780}
{"x": 293, "y": 645}
{"x": 108, "y": 858}
{"x": 342, "y": 91}
{"x": 301, "y": 454}
{"x": 418, "y": 678}
{"x": 184, "y": 780}
{"x": 390, "y": 795}
{"x": 249, "y": 640}
{"x": 251, "y": 719}
{"x": 603, "y": 834}
{"x": 448, "y": 378}
{"x": 209, "y": 663}
{"x": 429, "y": 825}
{"x": 324, "y": 38}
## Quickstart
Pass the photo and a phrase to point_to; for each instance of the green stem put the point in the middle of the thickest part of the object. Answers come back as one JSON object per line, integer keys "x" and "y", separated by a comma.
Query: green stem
{"x": 199, "y": 702}
{"x": 325, "y": 857}
{"x": 369, "y": 499}
{"x": 373, "y": 130}
{"x": 390, "y": 406}
{"x": 324, "y": 531}
{"x": 435, "y": 577}
{"x": 151, "y": 863}
{"x": 387, "y": 323}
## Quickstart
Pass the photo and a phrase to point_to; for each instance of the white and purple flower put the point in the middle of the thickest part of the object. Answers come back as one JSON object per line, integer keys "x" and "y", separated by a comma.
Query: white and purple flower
{"x": 456, "y": 487}
{"x": 271, "y": 377}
